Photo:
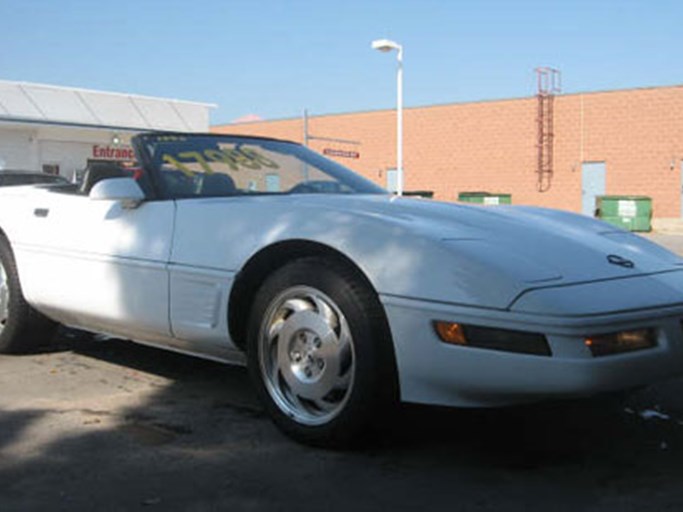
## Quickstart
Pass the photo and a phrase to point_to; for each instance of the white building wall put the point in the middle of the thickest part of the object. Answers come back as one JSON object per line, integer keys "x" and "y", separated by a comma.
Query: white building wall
{"x": 48, "y": 125}
{"x": 70, "y": 148}
{"x": 25, "y": 148}
{"x": 18, "y": 150}
{"x": 69, "y": 156}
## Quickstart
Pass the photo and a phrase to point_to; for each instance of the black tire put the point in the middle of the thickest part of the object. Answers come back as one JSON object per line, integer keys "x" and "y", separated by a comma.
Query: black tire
{"x": 359, "y": 353}
{"x": 23, "y": 329}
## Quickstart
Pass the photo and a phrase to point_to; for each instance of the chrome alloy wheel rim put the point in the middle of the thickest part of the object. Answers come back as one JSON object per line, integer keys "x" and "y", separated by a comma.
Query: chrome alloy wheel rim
{"x": 4, "y": 297}
{"x": 306, "y": 355}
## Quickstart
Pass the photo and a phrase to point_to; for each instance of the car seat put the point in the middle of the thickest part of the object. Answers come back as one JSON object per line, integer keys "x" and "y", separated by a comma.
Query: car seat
{"x": 218, "y": 184}
{"x": 101, "y": 171}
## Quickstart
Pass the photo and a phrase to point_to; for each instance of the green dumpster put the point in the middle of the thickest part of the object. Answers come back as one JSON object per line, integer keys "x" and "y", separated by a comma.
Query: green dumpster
{"x": 629, "y": 212}
{"x": 426, "y": 194}
{"x": 484, "y": 198}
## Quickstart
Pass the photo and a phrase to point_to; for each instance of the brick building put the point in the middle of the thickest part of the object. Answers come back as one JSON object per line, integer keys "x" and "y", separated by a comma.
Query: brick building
{"x": 630, "y": 140}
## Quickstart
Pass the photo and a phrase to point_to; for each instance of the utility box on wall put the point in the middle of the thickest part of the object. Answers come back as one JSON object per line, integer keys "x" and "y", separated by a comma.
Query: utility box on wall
{"x": 629, "y": 212}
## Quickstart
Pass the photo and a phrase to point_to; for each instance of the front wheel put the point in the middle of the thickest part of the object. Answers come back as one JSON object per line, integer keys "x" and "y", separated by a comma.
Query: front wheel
{"x": 22, "y": 328}
{"x": 320, "y": 353}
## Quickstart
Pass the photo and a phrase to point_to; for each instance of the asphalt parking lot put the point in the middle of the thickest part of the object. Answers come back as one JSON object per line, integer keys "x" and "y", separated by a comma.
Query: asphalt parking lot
{"x": 109, "y": 425}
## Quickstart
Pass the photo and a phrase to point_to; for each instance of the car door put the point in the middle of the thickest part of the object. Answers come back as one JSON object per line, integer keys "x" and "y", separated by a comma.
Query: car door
{"x": 97, "y": 264}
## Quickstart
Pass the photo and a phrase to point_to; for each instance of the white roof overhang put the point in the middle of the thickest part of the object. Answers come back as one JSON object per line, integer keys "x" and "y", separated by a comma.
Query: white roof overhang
{"x": 48, "y": 104}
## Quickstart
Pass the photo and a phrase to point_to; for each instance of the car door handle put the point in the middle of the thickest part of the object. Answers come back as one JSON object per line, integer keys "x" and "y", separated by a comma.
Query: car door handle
{"x": 41, "y": 212}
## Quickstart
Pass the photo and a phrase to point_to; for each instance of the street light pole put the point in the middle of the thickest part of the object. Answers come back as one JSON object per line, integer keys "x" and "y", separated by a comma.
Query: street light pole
{"x": 399, "y": 122}
{"x": 385, "y": 45}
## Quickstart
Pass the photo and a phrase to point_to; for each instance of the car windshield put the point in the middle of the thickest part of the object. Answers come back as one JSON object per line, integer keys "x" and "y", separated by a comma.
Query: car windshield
{"x": 217, "y": 165}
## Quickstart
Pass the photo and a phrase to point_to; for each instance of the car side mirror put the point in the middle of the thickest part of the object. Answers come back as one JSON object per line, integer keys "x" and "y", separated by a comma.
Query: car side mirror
{"x": 125, "y": 190}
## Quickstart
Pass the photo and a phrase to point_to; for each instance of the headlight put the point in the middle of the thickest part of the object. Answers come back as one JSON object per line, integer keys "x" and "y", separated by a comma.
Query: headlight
{"x": 617, "y": 342}
{"x": 493, "y": 339}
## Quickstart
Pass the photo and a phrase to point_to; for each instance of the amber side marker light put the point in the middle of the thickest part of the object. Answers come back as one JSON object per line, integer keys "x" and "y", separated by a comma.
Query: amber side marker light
{"x": 450, "y": 332}
{"x": 619, "y": 342}
{"x": 492, "y": 339}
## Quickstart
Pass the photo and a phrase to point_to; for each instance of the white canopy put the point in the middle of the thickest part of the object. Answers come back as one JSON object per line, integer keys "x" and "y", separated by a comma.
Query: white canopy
{"x": 27, "y": 102}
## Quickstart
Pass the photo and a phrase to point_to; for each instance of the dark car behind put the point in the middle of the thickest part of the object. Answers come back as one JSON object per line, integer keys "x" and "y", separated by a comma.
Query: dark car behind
{"x": 12, "y": 178}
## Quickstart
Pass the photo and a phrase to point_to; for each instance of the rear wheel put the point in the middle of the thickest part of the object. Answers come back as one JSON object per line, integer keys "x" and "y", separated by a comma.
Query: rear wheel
{"x": 320, "y": 353}
{"x": 22, "y": 328}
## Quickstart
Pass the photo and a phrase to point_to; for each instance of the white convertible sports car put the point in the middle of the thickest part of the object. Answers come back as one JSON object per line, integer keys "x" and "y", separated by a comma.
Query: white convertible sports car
{"x": 341, "y": 299}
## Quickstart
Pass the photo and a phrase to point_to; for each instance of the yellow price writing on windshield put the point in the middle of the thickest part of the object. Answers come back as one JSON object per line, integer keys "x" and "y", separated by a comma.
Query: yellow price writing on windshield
{"x": 178, "y": 165}
{"x": 261, "y": 159}
{"x": 235, "y": 158}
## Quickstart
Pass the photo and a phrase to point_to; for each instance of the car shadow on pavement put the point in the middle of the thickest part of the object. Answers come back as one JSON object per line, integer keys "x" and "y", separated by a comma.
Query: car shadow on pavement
{"x": 182, "y": 433}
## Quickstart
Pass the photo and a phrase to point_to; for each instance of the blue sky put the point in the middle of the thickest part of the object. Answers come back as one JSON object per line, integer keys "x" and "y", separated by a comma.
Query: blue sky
{"x": 275, "y": 58}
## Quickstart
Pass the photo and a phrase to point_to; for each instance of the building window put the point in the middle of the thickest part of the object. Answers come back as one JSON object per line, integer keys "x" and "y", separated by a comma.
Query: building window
{"x": 51, "y": 169}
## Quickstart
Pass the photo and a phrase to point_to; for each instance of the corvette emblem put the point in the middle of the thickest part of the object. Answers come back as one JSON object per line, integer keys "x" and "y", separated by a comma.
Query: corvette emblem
{"x": 615, "y": 259}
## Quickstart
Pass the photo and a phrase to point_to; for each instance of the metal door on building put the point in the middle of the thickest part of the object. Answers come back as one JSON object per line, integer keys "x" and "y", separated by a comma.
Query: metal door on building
{"x": 592, "y": 185}
{"x": 272, "y": 183}
{"x": 392, "y": 180}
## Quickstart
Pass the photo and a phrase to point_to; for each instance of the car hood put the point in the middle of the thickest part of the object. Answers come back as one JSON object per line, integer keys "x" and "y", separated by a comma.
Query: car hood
{"x": 485, "y": 257}
{"x": 536, "y": 245}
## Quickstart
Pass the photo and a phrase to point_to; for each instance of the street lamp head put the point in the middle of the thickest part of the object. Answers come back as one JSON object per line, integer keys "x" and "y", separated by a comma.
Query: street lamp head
{"x": 385, "y": 45}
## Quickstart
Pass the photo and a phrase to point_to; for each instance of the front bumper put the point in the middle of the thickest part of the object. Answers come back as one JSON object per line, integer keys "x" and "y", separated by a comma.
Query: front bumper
{"x": 433, "y": 372}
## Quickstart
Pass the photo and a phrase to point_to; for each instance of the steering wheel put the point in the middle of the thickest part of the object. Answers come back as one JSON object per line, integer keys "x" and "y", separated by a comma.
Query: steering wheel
{"x": 303, "y": 188}
{"x": 318, "y": 186}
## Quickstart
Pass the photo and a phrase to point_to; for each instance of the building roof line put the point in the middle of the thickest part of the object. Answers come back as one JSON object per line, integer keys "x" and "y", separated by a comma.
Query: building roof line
{"x": 108, "y": 93}
{"x": 449, "y": 104}
{"x": 33, "y": 121}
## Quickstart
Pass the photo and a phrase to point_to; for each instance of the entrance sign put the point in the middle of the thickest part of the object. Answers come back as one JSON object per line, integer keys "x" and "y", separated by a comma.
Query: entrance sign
{"x": 113, "y": 152}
